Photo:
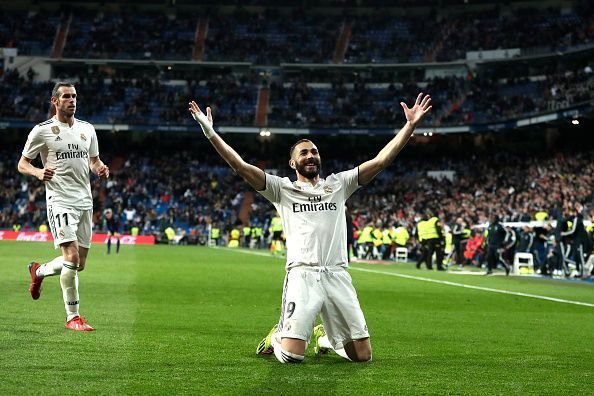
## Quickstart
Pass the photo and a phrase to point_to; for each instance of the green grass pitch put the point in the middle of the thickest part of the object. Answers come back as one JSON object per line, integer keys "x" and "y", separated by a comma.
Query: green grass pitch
{"x": 186, "y": 320}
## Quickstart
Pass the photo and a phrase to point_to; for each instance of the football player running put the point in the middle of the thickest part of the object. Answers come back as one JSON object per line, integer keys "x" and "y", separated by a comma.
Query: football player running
{"x": 69, "y": 150}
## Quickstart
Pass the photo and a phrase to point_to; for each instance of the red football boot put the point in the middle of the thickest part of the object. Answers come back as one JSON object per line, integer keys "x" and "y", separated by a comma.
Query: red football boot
{"x": 35, "y": 286}
{"x": 78, "y": 323}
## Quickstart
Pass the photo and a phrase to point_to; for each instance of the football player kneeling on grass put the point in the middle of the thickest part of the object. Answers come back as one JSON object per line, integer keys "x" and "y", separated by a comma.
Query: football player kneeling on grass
{"x": 312, "y": 211}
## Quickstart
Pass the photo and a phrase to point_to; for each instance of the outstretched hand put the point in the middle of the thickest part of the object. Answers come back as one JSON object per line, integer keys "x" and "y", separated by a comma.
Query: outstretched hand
{"x": 415, "y": 114}
{"x": 205, "y": 121}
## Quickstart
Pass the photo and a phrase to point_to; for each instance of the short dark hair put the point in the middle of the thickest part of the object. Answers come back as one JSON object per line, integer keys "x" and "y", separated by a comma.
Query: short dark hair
{"x": 295, "y": 145}
{"x": 58, "y": 85}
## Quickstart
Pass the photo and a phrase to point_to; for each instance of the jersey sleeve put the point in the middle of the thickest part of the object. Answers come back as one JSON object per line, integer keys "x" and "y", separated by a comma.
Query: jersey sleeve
{"x": 350, "y": 181}
{"x": 34, "y": 143}
{"x": 94, "y": 148}
{"x": 272, "y": 192}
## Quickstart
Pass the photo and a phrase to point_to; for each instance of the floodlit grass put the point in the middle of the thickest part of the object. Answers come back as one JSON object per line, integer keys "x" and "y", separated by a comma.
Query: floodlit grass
{"x": 173, "y": 319}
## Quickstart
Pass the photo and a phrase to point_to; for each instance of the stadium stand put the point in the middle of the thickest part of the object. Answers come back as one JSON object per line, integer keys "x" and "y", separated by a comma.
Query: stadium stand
{"x": 337, "y": 70}
{"x": 263, "y": 36}
{"x": 365, "y": 102}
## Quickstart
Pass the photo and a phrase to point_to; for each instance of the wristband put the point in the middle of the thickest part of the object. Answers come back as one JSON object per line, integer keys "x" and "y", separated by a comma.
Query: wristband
{"x": 206, "y": 126}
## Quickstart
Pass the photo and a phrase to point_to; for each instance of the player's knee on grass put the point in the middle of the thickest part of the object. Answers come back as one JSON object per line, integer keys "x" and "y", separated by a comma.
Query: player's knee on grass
{"x": 359, "y": 350}
{"x": 284, "y": 356}
{"x": 294, "y": 345}
{"x": 290, "y": 350}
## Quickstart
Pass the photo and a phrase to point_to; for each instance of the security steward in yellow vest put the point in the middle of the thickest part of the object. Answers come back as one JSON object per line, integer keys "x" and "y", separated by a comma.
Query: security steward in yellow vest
{"x": 234, "y": 236}
{"x": 215, "y": 234}
{"x": 366, "y": 240}
{"x": 422, "y": 232}
{"x": 432, "y": 239}
{"x": 435, "y": 243}
{"x": 276, "y": 228}
{"x": 247, "y": 236}
{"x": 377, "y": 241}
{"x": 541, "y": 216}
{"x": 256, "y": 236}
{"x": 401, "y": 236}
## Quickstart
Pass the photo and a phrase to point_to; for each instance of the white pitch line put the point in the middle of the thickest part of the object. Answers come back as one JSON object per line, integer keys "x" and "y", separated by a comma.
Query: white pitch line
{"x": 235, "y": 250}
{"x": 442, "y": 282}
{"x": 474, "y": 287}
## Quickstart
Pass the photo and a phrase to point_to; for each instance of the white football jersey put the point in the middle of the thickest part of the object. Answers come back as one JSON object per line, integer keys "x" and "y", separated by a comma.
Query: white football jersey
{"x": 313, "y": 217}
{"x": 67, "y": 149}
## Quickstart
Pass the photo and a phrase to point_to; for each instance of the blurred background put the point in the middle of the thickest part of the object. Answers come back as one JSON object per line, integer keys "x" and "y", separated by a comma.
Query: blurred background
{"x": 509, "y": 132}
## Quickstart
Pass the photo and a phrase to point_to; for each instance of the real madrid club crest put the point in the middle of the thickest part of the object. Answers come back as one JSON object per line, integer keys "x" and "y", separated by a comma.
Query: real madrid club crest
{"x": 83, "y": 137}
{"x": 328, "y": 189}
{"x": 55, "y": 130}
{"x": 61, "y": 233}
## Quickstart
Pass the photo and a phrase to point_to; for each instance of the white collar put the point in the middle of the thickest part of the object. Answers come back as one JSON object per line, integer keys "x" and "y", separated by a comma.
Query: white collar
{"x": 65, "y": 124}
{"x": 301, "y": 184}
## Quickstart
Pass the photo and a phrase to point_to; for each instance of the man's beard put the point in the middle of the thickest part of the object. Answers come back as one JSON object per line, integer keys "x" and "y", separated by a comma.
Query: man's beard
{"x": 66, "y": 112}
{"x": 309, "y": 174}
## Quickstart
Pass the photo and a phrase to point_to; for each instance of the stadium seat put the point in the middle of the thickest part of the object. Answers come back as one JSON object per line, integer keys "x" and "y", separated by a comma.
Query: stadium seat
{"x": 523, "y": 260}
{"x": 401, "y": 255}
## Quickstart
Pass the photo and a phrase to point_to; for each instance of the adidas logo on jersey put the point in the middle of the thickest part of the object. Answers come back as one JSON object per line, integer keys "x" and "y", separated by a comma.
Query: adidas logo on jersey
{"x": 58, "y": 139}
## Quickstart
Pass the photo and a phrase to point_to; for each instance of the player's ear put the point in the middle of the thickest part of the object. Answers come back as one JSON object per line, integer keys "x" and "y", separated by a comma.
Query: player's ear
{"x": 292, "y": 164}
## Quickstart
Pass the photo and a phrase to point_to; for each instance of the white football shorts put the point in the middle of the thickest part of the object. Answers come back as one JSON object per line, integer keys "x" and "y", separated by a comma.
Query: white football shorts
{"x": 328, "y": 291}
{"x": 69, "y": 225}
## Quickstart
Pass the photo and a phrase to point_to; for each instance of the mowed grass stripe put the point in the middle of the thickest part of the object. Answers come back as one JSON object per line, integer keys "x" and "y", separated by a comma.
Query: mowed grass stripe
{"x": 38, "y": 354}
{"x": 201, "y": 317}
{"x": 430, "y": 339}
{"x": 562, "y": 287}
{"x": 196, "y": 315}
{"x": 488, "y": 289}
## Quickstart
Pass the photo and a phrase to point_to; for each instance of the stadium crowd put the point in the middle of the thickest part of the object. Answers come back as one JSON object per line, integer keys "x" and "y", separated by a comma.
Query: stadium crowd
{"x": 146, "y": 192}
{"x": 244, "y": 35}
{"x": 133, "y": 100}
{"x": 360, "y": 101}
{"x": 459, "y": 100}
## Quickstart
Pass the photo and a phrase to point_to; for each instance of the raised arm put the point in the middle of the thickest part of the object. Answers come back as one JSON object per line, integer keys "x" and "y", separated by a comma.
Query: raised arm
{"x": 368, "y": 170}
{"x": 250, "y": 173}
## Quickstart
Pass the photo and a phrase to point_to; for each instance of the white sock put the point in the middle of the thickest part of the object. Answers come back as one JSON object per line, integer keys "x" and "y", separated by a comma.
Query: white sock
{"x": 282, "y": 355}
{"x": 69, "y": 283}
{"x": 324, "y": 342}
{"x": 50, "y": 268}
